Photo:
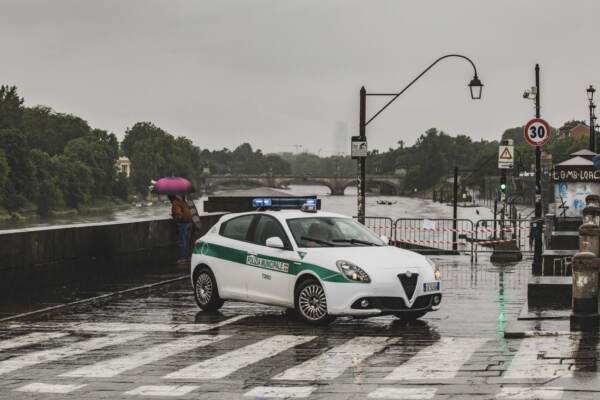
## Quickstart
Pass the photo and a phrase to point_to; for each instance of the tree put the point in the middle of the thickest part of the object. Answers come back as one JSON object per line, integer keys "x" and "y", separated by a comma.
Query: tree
{"x": 11, "y": 108}
{"x": 99, "y": 151}
{"x": 48, "y": 197}
{"x": 4, "y": 173}
{"x": 51, "y": 131}
{"x": 74, "y": 179}
{"x": 21, "y": 178}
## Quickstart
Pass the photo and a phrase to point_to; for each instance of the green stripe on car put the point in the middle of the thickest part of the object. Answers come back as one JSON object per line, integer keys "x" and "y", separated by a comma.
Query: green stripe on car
{"x": 262, "y": 261}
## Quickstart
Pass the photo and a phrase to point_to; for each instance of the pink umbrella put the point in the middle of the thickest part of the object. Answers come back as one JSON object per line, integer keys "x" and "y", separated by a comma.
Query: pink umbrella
{"x": 172, "y": 185}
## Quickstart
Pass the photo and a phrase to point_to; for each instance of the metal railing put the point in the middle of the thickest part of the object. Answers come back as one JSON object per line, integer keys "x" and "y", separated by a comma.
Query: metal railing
{"x": 438, "y": 235}
{"x": 434, "y": 236}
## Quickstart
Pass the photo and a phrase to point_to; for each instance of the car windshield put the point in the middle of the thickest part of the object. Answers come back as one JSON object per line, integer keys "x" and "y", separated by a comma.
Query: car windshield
{"x": 331, "y": 232}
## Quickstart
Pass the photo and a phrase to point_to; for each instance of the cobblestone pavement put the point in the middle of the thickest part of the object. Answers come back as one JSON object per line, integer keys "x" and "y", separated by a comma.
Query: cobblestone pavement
{"x": 157, "y": 344}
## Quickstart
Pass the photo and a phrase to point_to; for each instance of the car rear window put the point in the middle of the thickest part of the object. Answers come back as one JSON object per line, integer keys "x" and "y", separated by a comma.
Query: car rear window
{"x": 237, "y": 228}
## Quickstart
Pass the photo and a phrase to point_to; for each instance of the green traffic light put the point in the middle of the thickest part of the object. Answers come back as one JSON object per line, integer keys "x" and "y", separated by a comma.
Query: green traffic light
{"x": 503, "y": 187}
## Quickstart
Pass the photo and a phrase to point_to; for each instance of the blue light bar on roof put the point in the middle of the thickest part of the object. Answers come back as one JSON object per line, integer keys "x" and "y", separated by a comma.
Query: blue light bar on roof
{"x": 288, "y": 203}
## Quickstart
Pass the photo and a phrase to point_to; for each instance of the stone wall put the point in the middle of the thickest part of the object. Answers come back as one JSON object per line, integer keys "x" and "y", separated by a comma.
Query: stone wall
{"x": 38, "y": 258}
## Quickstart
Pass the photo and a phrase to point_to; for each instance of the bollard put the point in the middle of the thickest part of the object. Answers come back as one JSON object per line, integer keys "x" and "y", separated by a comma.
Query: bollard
{"x": 589, "y": 238}
{"x": 592, "y": 200}
{"x": 591, "y": 213}
{"x": 584, "y": 313}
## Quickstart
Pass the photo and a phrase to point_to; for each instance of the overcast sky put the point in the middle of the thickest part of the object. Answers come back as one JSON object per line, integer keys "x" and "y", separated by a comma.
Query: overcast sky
{"x": 279, "y": 73}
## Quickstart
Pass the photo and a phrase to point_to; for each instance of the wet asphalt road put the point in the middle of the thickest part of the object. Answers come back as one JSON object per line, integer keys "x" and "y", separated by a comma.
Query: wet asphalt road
{"x": 157, "y": 344}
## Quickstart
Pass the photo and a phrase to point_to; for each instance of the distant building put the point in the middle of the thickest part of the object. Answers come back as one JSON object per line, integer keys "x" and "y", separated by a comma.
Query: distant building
{"x": 578, "y": 131}
{"x": 123, "y": 166}
{"x": 341, "y": 140}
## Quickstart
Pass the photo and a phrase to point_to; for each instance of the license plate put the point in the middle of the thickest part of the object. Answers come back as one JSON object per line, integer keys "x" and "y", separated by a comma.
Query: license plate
{"x": 431, "y": 286}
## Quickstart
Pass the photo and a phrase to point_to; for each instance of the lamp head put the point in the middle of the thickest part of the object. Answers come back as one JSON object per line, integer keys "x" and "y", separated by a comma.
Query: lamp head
{"x": 475, "y": 86}
{"x": 590, "y": 92}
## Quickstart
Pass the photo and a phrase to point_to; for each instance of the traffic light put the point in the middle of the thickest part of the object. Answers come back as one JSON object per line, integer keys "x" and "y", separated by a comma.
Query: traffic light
{"x": 503, "y": 187}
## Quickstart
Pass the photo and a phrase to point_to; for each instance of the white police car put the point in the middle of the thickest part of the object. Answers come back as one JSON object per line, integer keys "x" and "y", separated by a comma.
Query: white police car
{"x": 321, "y": 264}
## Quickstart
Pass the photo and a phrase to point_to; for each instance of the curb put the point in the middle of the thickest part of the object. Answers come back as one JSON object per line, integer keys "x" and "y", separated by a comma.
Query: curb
{"x": 92, "y": 299}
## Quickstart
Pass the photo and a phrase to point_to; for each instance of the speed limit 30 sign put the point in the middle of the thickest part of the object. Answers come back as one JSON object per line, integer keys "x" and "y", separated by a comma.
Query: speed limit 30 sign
{"x": 537, "y": 132}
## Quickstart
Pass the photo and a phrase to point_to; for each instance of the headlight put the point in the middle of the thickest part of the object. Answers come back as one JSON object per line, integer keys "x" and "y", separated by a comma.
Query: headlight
{"x": 352, "y": 271}
{"x": 436, "y": 272}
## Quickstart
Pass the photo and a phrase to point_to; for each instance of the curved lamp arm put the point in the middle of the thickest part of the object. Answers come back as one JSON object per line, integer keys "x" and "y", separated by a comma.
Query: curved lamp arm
{"x": 475, "y": 81}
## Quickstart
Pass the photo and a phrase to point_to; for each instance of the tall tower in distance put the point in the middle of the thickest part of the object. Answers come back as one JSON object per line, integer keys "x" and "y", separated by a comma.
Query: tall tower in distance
{"x": 341, "y": 140}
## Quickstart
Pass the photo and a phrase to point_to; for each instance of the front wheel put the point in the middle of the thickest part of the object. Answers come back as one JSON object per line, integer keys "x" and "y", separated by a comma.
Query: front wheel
{"x": 206, "y": 291}
{"x": 410, "y": 316}
{"x": 311, "y": 303}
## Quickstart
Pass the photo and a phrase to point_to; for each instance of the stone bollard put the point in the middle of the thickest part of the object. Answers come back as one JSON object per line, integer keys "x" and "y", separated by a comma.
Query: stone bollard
{"x": 592, "y": 200}
{"x": 591, "y": 213}
{"x": 584, "y": 313}
{"x": 589, "y": 238}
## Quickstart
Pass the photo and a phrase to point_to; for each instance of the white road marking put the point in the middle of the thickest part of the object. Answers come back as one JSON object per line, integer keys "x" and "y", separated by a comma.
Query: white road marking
{"x": 115, "y": 366}
{"x": 530, "y": 393}
{"x": 43, "y": 356}
{"x": 29, "y": 339}
{"x": 334, "y": 362}
{"x": 280, "y": 392}
{"x": 223, "y": 365}
{"x": 403, "y": 393}
{"x": 540, "y": 357}
{"x": 442, "y": 360}
{"x": 124, "y": 327}
{"x": 162, "y": 390}
{"x": 37, "y": 387}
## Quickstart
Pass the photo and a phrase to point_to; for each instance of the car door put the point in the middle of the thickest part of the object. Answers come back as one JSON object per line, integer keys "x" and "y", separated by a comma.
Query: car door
{"x": 270, "y": 279}
{"x": 234, "y": 244}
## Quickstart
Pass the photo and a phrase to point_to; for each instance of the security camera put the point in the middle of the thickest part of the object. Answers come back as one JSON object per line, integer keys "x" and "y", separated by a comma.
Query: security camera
{"x": 526, "y": 94}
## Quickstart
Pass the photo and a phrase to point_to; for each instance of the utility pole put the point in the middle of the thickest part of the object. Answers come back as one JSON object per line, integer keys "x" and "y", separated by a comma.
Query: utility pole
{"x": 455, "y": 210}
{"x": 537, "y": 255}
{"x": 362, "y": 167}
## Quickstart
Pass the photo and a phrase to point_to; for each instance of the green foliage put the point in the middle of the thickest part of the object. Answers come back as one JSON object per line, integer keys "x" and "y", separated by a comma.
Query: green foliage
{"x": 74, "y": 179}
{"x": 50, "y": 131}
{"x": 11, "y": 108}
{"x": 4, "y": 172}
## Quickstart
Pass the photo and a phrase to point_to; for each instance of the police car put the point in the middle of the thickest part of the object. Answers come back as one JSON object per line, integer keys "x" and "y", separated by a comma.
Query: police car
{"x": 321, "y": 264}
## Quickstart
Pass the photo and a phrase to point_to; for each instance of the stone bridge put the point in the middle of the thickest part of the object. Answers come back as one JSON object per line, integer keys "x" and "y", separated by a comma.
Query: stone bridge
{"x": 387, "y": 184}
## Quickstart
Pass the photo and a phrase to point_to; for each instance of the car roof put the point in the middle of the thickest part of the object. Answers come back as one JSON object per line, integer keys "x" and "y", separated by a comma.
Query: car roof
{"x": 289, "y": 214}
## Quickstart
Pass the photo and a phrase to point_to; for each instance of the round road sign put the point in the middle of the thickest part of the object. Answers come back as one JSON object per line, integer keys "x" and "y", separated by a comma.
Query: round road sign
{"x": 537, "y": 132}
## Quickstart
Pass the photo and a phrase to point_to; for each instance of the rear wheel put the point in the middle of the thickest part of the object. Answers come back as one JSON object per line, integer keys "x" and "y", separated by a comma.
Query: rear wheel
{"x": 311, "y": 303}
{"x": 410, "y": 316}
{"x": 206, "y": 291}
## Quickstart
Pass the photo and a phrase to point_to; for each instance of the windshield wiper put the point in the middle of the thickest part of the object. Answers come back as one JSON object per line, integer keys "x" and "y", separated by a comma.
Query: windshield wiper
{"x": 311, "y": 239}
{"x": 355, "y": 241}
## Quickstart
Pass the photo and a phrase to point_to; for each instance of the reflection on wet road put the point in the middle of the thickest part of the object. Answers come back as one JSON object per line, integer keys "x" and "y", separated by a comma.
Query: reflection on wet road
{"x": 157, "y": 344}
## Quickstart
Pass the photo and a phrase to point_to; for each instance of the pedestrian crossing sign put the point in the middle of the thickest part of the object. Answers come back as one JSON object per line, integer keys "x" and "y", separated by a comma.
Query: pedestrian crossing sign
{"x": 506, "y": 157}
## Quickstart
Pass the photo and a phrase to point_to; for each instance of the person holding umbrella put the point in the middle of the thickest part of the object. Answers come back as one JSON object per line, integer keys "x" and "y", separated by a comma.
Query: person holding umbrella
{"x": 183, "y": 217}
{"x": 180, "y": 211}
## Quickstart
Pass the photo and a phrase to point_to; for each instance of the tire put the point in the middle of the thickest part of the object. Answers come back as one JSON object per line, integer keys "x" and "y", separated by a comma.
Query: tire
{"x": 206, "y": 291}
{"x": 311, "y": 303}
{"x": 410, "y": 316}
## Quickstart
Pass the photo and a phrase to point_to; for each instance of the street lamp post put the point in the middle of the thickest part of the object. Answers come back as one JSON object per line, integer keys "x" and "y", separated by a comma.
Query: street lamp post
{"x": 590, "y": 93}
{"x": 475, "y": 88}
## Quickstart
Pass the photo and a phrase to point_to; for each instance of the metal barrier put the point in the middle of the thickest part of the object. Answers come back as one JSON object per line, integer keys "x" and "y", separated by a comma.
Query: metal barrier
{"x": 489, "y": 233}
{"x": 382, "y": 226}
{"x": 434, "y": 236}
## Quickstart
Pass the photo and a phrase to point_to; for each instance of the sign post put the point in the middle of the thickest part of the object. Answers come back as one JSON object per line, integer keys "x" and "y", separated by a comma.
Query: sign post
{"x": 537, "y": 133}
{"x": 506, "y": 157}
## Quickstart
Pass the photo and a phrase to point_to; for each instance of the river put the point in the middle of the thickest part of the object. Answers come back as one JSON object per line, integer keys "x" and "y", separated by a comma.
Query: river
{"x": 401, "y": 207}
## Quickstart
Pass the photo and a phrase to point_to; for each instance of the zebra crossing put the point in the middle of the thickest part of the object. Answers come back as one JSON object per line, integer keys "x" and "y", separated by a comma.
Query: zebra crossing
{"x": 432, "y": 361}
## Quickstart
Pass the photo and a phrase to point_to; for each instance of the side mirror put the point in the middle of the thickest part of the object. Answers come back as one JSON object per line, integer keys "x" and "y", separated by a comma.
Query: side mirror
{"x": 275, "y": 242}
{"x": 385, "y": 240}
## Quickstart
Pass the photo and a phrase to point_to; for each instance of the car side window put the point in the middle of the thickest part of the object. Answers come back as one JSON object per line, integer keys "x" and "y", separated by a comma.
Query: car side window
{"x": 267, "y": 227}
{"x": 237, "y": 228}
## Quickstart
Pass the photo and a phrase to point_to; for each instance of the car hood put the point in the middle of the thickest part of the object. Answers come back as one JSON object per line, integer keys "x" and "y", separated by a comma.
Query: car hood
{"x": 370, "y": 259}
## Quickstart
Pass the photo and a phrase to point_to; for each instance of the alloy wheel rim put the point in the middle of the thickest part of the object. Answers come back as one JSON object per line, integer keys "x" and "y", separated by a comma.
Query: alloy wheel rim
{"x": 312, "y": 302}
{"x": 204, "y": 288}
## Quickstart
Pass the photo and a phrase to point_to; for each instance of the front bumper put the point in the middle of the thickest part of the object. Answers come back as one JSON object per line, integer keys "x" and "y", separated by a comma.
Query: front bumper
{"x": 346, "y": 298}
